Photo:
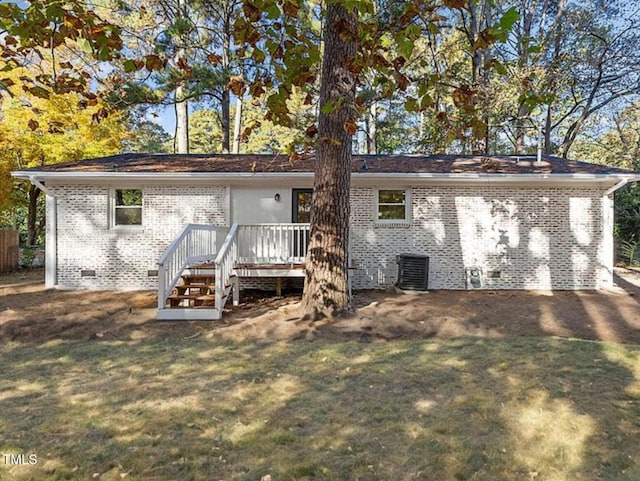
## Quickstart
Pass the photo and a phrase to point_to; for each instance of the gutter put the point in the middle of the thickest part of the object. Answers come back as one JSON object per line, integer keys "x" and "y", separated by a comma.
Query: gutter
{"x": 33, "y": 176}
{"x": 357, "y": 178}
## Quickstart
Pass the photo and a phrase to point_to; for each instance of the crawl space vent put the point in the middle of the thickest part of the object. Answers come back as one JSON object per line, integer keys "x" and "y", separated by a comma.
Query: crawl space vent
{"x": 413, "y": 272}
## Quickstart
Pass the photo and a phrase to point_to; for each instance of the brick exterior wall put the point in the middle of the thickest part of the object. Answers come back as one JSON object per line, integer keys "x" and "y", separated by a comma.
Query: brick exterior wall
{"x": 524, "y": 238}
{"x": 121, "y": 257}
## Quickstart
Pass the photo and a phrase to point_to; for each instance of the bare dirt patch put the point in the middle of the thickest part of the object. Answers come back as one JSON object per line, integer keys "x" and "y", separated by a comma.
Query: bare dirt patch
{"x": 30, "y": 313}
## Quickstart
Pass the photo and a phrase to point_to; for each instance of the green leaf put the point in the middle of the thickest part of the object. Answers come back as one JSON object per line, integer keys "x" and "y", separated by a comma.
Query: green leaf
{"x": 411, "y": 104}
{"x": 386, "y": 41}
{"x": 509, "y": 18}
{"x": 405, "y": 47}
{"x": 85, "y": 45}
{"x": 258, "y": 55}
{"x": 426, "y": 101}
{"x": 273, "y": 12}
{"x": 129, "y": 66}
{"x": 332, "y": 106}
{"x": 104, "y": 53}
{"x": 55, "y": 13}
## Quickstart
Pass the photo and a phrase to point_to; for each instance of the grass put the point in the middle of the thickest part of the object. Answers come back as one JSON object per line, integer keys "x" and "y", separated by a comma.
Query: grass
{"x": 469, "y": 409}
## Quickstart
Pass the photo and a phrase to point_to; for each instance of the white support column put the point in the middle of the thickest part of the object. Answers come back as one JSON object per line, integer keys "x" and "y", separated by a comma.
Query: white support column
{"x": 236, "y": 290}
{"x": 51, "y": 246}
{"x": 607, "y": 260}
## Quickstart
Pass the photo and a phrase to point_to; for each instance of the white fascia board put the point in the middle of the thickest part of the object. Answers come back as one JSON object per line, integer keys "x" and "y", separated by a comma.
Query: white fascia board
{"x": 186, "y": 178}
{"x": 484, "y": 179}
{"x": 300, "y": 178}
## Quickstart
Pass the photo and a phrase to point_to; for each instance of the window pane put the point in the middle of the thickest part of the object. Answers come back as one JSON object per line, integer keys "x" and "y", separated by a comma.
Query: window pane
{"x": 391, "y": 196}
{"x": 395, "y": 212}
{"x": 304, "y": 207}
{"x": 128, "y": 216}
{"x": 129, "y": 197}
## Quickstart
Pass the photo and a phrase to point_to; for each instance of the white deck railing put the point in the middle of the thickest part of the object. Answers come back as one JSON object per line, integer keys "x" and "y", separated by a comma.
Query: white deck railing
{"x": 195, "y": 243}
{"x": 272, "y": 243}
{"x": 225, "y": 264}
{"x": 243, "y": 244}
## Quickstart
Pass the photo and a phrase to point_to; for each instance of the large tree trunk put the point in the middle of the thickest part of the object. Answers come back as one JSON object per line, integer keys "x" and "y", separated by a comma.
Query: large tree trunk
{"x": 182, "y": 122}
{"x": 372, "y": 127}
{"x": 182, "y": 106}
{"x": 326, "y": 288}
{"x": 225, "y": 121}
{"x": 479, "y": 16}
{"x": 225, "y": 103}
{"x": 236, "y": 127}
{"x": 547, "y": 131}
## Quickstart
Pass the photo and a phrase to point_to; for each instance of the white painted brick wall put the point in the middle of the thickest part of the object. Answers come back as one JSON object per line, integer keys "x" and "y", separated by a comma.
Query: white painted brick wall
{"x": 122, "y": 257}
{"x": 547, "y": 238}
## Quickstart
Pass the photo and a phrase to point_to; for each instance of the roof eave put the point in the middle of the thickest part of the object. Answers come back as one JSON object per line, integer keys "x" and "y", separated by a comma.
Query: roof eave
{"x": 357, "y": 177}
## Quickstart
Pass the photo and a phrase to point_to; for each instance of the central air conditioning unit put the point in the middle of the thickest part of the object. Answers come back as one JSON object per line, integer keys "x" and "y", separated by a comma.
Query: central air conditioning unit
{"x": 413, "y": 272}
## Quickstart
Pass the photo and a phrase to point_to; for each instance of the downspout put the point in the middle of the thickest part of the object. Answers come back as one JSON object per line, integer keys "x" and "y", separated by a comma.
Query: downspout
{"x": 51, "y": 237}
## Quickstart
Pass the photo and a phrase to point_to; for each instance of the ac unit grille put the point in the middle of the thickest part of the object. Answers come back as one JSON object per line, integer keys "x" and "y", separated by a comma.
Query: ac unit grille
{"x": 413, "y": 272}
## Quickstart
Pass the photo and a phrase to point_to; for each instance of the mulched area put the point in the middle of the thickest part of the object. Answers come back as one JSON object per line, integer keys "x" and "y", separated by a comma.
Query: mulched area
{"x": 31, "y": 314}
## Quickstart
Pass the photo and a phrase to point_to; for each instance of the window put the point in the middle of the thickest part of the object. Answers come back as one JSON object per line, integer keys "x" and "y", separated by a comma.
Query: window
{"x": 301, "y": 205}
{"x": 127, "y": 207}
{"x": 393, "y": 206}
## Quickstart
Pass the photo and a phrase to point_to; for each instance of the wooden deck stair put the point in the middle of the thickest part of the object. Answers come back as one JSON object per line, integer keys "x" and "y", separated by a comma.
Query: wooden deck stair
{"x": 196, "y": 288}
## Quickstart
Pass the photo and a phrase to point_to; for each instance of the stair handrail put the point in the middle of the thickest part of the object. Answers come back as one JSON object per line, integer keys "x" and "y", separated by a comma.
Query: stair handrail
{"x": 225, "y": 266}
{"x": 188, "y": 246}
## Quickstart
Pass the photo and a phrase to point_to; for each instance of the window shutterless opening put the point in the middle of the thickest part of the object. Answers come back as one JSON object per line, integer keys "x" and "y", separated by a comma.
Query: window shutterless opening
{"x": 392, "y": 205}
{"x": 127, "y": 207}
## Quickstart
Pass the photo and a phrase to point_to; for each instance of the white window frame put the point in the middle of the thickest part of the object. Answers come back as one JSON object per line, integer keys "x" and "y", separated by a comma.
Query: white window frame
{"x": 407, "y": 207}
{"x": 112, "y": 210}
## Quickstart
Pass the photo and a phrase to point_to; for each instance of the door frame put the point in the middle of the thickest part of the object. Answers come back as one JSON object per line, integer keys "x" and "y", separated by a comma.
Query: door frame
{"x": 294, "y": 202}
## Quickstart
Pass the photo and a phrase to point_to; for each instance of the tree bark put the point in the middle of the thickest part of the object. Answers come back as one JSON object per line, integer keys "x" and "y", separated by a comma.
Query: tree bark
{"x": 372, "y": 128}
{"x": 225, "y": 103}
{"x": 182, "y": 122}
{"x": 479, "y": 16}
{"x": 236, "y": 127}
{"x": 326, "y": 286}
{"x": 225, "y": 121}
{"x": 182, "y": 106}
{"x": 547, "y": 131}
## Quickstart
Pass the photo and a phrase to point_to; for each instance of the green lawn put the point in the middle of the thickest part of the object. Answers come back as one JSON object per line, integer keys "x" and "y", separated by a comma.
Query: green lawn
{"x": 469, "y": 409}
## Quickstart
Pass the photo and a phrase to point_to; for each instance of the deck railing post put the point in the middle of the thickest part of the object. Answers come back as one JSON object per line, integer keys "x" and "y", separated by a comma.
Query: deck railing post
{"x": 162, "y": 285}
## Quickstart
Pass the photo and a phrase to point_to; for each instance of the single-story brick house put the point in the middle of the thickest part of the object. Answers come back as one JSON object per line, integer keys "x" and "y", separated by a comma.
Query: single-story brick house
{"x": 498, "y": 222}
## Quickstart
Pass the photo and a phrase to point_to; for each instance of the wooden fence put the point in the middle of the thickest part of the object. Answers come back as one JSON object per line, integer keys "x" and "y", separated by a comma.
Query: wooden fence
{"x": 9, "y": 250}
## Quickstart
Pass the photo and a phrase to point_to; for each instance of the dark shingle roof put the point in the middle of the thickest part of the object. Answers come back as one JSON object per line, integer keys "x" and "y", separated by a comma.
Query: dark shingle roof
{"x": 445, "y": 164}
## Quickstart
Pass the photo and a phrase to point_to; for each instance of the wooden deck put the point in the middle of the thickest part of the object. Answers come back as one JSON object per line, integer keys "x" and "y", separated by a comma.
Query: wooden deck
{"x": 202, "y": 266}
{"x": 270, "y": 270}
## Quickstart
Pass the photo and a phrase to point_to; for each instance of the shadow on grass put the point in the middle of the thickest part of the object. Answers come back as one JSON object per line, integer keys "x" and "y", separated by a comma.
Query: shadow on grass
{"x": 510, "y": 409}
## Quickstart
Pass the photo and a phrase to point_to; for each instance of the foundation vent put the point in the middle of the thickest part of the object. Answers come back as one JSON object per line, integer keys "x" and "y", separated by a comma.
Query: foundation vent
{"x": 413, "y": 272}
